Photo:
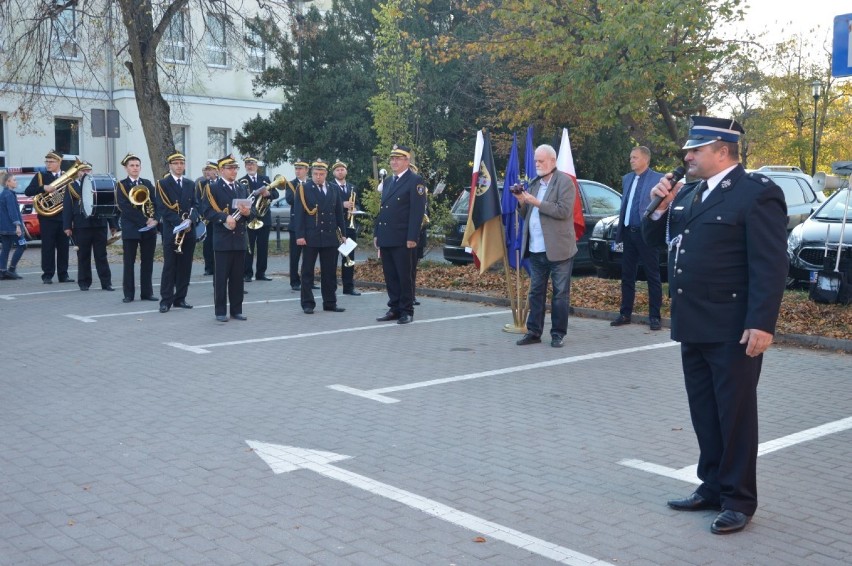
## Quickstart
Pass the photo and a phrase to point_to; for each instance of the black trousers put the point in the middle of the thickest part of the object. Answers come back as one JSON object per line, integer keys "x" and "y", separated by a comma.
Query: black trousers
{"x": 636, "y": 251}
{"x": 398, "y": 267}
{"x": 146, "y": 246}
{"x": 347, "y": 274}
{"x": 258, "y": 248}
{"x": 54, "y": 248}
{"x": 208, "y": 254}
{"x": 177, "y": 269}
{"x": 328, "y": 276}
{"x": 721, "y": 384}
{"x": 295, "y": 254}
{"x": 228, "y": 281}
{"x": 89, "y": 241}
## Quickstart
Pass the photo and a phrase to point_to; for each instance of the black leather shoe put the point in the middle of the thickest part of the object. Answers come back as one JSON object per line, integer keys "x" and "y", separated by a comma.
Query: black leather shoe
{"x": 416, "y": 303}
{"x": 84, "y": 287}
{"x": 405, "y": 319}
{"x": 47, "y": 281}
{"x": 353, "y": 292}
{"x": 390, "y": 315}
{"x": 164, "y": 308}
{"x": 208, "y": 272}
{"x": 334, "y": 309}
{"x": 529, "y": 339}
{"x": 149, "y": 299}
{"x": 66, "y": 280}
{"x": 728, "y": 522}
{"x": 296, "y": 287}
{"x": 655, "y": 324}
{"x": 108, "y": 288}
{"x": 239, "y": 316}
{"x": 315, "y": 287}
{"x": 263, "y": 278}
{"x": 693, "y": 502}
{"x": 308, "y": 310}
{"x": 620, "y": 321}
{"x": 127, "y": 300}
{"x": 557, "y": 342}
{"x": 182, "y": 305}
{"x": 247, "y": 279}
{"x": 221, "y": 318}
{"x": 11, "y": 274}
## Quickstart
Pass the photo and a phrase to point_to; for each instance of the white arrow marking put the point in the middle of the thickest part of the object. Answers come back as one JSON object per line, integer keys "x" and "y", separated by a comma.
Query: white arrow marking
{"x": 378, "y": 394}
{"x": 689, "y": 473}
{"x": 288, "y": 458}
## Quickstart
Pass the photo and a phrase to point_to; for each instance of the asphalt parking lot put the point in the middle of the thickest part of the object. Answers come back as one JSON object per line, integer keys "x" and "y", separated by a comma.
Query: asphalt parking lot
{"x": 133, "y": 437}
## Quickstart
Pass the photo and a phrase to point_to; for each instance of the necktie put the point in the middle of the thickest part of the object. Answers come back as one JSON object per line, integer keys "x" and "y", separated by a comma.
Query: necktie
{"x": 323, "y": 189}
{"x": 703, "y": 186}
{"x": 233, "y": 188}
{"x": 395, "y": 178}
{"x": 254, "y": 179}
{"x": 629, "y": 211}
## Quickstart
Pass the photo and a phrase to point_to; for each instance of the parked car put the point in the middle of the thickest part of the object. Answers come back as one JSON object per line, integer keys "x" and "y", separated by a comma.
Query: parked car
{"x": 799, "y": 194}
{"x": 806, "y": 245}
{"x": 598, "y": 199}
{"x": 280, "y": 213}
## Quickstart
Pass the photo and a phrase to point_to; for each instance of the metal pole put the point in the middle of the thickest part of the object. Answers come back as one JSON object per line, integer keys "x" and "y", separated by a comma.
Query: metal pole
{"x": 816, "y": 91}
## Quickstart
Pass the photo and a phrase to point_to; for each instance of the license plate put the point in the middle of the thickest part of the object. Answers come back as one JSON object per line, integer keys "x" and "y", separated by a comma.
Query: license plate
{"x": 813, "y": 276}
{"x": 616, "y": 247}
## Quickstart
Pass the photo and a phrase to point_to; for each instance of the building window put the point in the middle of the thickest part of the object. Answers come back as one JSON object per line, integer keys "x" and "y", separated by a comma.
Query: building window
{"x": 179, "y": 137}
{"x": 67, "y": 134}
{"x": 256, "y": 50}
{"x": 65, "y": 34}
{"x": 217, "y": 142}
{"x": 217, "y": 52}
{"x": 174, "y": 41}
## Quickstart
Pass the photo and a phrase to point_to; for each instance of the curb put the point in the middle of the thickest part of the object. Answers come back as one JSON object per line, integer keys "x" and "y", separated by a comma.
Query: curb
{"x": 799, "y": 340}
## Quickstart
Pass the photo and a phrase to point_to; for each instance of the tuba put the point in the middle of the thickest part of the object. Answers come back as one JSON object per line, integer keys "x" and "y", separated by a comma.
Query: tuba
{"x": 50, "y": 204}
{"x": 140, "y": 197}
{"x": 261, "y": 205}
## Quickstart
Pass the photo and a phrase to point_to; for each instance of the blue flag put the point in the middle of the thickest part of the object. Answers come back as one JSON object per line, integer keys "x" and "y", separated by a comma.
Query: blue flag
{"x": 512, "y": 221}
{"x": 529, "y": 158}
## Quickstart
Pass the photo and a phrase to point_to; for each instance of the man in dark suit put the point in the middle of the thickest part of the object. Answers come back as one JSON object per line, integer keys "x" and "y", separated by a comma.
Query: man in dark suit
{"x": 295, "y": 250}
{"x": 208, "y": 174}
{"x": 349, "y": 198}
{"x": 550, "y": 243}
{"x": 258, "y": 237}
{"x": 89, "y": 235}
{"x": 397, "y": 231}
{"x": 636, "y": 195}
{"x": 54, "y": 242}
{"x": 176, "y": 201}
{"x": 727, "y": 241}
{"x": 319, "y": 227}
{"x": 229, "y": 238}
{"x": 138, "y": 230}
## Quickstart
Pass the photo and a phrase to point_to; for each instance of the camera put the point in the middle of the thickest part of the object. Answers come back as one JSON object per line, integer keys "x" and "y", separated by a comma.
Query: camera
{"x": 516, "y": 189}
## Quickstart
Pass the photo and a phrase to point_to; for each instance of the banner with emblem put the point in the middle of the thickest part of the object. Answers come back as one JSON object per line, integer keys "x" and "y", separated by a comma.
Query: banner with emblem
{"x": 484, "y": 231}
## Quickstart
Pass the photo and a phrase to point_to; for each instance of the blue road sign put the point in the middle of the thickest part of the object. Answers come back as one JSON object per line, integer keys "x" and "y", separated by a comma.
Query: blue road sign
{"x": 841, "y": 54}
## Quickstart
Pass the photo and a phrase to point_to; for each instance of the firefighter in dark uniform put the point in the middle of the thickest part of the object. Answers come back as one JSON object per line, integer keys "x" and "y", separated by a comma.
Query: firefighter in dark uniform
{"x": 176, "y": 201}
{"x": 259, "y": 237}
{"x": 209, "y": 173}
{"x": 349, "y": 197}
{"x": 138, "y": 230}
{"x": 229, "y": 238}
{"x": 295, "y": 250}
{"x": 397, "y": 232}
{"x": 318, "y": 212}
{"x": 54, "y": 242}
{"x": 88, "y": 234}
{"x": 727, "y": 241}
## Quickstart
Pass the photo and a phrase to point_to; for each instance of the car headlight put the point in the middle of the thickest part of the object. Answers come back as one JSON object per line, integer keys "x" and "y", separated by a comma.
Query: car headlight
{"x": 599, "y": 230}
{"x": 794, "y": 240}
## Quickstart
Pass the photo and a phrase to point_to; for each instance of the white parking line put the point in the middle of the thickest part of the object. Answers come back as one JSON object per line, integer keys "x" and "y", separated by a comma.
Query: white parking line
{"x": 688, "y": 473}
{"x": 205, "y": 348}
{"x": 94, "y": 317}
{"x": 378, "y": 394}
{"x": 13, "y": 296}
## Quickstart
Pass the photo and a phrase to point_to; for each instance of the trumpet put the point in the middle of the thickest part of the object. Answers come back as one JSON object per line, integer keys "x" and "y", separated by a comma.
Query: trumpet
{"x": 352, "y": 209}
{"x": 180, "y": 236}
{"x": 261, "y": 205}
{"x": 50, "y": 204}
{"x": 140, "y": 197}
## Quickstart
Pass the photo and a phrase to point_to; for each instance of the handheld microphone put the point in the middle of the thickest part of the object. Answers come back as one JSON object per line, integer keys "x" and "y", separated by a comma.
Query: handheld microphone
{"x": 677, "y": 175}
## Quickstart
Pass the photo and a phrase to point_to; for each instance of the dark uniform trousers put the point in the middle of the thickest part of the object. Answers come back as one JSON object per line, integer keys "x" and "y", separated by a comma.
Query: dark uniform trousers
{"x": 347, "y": 274}
{"x": 54, "y": 242}
{"x": 90, "y": 236}
{"x": 229, "y": 247}
{"x": 177, "y": 268}
{"x": 144, "y": 245}
{"x": 258, "y": 240}
{"x": 228, "y": 281}
{"x": 320, "y": 232}
{"x": 294, "y": 250}
{"x": 727, "y": 268}
{"x": 400, "y": 220}
{"x": 209, "y": 257}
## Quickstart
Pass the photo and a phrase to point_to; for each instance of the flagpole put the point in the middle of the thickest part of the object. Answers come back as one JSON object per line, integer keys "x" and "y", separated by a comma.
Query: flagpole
{"x": 519, "y": 317}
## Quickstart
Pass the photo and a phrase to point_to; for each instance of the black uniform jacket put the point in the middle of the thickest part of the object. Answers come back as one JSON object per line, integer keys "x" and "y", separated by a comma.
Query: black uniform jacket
{"x": 132, "y": 218}
{"x": 401, "y": 214}
{"x": 320, "y": 230}
{"x": 170, "y": 195}
{"x": 727, "y": 270}
{"x": 262, "y": 181}
{"x": 289, "y": 196}
{"x": 219, "y": 198}
{"x": 72, "y": 211}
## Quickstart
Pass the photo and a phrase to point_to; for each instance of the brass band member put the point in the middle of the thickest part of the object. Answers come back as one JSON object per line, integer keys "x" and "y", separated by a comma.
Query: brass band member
{"x": 258, "y": 237}
{"x": 318, "y": 214}
{"x": 54, "y": 242}
{"x": 138, "y": 229}
{"x": 176, "y": 201}
{"x": 348, "y": 196}
{"x": 209, "y": 173}
{"x": 88, "y": 234}
{"x": 295, "y": 250}
{"x": 229, "y": 238}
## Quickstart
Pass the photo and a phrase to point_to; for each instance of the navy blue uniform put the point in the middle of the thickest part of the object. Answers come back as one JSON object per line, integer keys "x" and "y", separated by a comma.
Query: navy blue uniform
{"x": 90, "y": 236}
{"x": 175, "y": 201}
{"x": 131, "y": 219}
{"x": 295, "y": 251}
{"x": 54, "y": 242}
{"x": 347, "y": 274}
{"x": 258, "y": 240}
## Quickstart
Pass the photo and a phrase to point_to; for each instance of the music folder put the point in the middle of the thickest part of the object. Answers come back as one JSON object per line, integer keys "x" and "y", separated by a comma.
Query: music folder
{"x": 346, "y": 247}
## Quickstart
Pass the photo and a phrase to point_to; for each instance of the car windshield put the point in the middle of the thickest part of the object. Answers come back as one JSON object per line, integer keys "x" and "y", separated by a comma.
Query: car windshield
{"x": 462, "y": 204}
{"x": 834, "y": 208}
{"x": 23, "y": 181}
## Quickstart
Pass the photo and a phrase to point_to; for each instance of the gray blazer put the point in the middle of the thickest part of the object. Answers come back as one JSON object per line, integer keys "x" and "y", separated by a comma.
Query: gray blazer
{"x": 557, "y": 218}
